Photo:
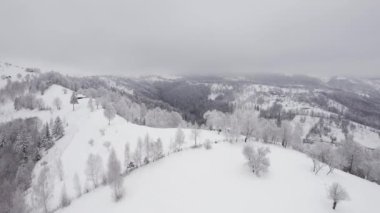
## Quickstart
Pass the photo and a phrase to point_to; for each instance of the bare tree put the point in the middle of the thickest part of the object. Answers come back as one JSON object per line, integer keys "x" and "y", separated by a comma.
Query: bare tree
{"x": 74, "y": 100}
{"x": 94, "y": 169}
{"x": 57, "y": 103}
{"x": 43, "y": 189}
{"x": 109, "y": 112}
{"x": 337, "y": 193}
{"x": 114, "y": 176}
{"x": 195, "y": 133}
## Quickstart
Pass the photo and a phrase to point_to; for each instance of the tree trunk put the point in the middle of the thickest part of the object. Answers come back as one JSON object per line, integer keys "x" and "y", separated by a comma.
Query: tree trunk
{"x": 73, "y": 107}
{"x": 246, "y": 138}
{"x": 334, "y": 205}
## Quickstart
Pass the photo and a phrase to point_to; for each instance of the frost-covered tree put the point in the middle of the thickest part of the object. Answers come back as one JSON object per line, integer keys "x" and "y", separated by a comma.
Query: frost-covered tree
{"x": 127, "y": 157}
{"x": 77, "y": 185}
{"x": 65, "y": 200}
{"x": 58, "y": 130}
{"x": 214, "y": 119}
{"x": 257, "y": 158}
{"x": 57, "y": 103}
{"x": 179, "y": 139}
{"x": 43, "y": 189}
{"x": 351, "y": 154}
{"x": 94, "y": 169}
{"x": 59, "y": 167}
{"x": 195, "y": 133}
{"x": 137, "y": 155}
{"x": 297, "y": 134}
{"x": 248, "y": 123}
{"x": 147, "y": 149}
{"x": 46, "y": 137}
{"x": 337, "y": 193}
{"x": 287, "y": 133}
{"x": 90, "y": 104}
{"x": 319, "y": 153}
{"x": 109, "y": 112}
{"x": 114, "y": 176}
{"x": 157, "y": 150}
{"x": 74, "y": 100}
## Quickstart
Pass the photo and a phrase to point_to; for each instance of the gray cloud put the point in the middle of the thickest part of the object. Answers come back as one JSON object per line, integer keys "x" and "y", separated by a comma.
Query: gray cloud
{"x": 324, "y": 37}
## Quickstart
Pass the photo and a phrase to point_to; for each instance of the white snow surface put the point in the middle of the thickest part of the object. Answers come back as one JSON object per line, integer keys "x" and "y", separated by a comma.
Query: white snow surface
{"x": 218, "y": 180}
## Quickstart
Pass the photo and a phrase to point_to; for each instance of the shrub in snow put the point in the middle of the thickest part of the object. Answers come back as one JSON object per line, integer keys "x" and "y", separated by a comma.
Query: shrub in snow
{"x": 107, "y": 144}
{"x": 114, "y": 176}
{"x": 102, "y": 132}
{"x": 65, "y": 201}
{"x": 91, "y": 142}
{"x": 337, "y": 193}
{"x": 258, "y": 160}
{"x": 77, "y": 185}
{"x": 207, "y": 144}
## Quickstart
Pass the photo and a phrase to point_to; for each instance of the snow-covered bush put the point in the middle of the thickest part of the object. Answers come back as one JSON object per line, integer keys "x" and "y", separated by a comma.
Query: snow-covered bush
{"x": 207, "y": 144}
{"x": 257, "y": 158}
{"x": 65, "y": 200}
{"x": 77, "y": 185}
{"x": 337, "y": 193}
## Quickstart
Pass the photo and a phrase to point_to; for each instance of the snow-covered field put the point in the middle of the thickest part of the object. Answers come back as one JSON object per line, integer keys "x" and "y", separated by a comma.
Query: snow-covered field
{"x": 218, "y": 180}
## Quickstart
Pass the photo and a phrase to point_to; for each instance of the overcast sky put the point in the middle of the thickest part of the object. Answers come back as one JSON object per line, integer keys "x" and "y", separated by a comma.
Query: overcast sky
{"x": 317, "y": 37}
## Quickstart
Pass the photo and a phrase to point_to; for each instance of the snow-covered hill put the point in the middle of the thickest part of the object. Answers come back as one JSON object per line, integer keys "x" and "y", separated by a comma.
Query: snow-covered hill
{"x": 82, "y": 127}
{"x": 218, "y": 180}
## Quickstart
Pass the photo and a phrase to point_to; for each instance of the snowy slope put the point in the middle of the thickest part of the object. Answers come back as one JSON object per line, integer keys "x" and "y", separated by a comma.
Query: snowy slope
{"x": 82, "y": 126}
{"x": 12, "y": 72}
{"x": 219, "y": 180}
